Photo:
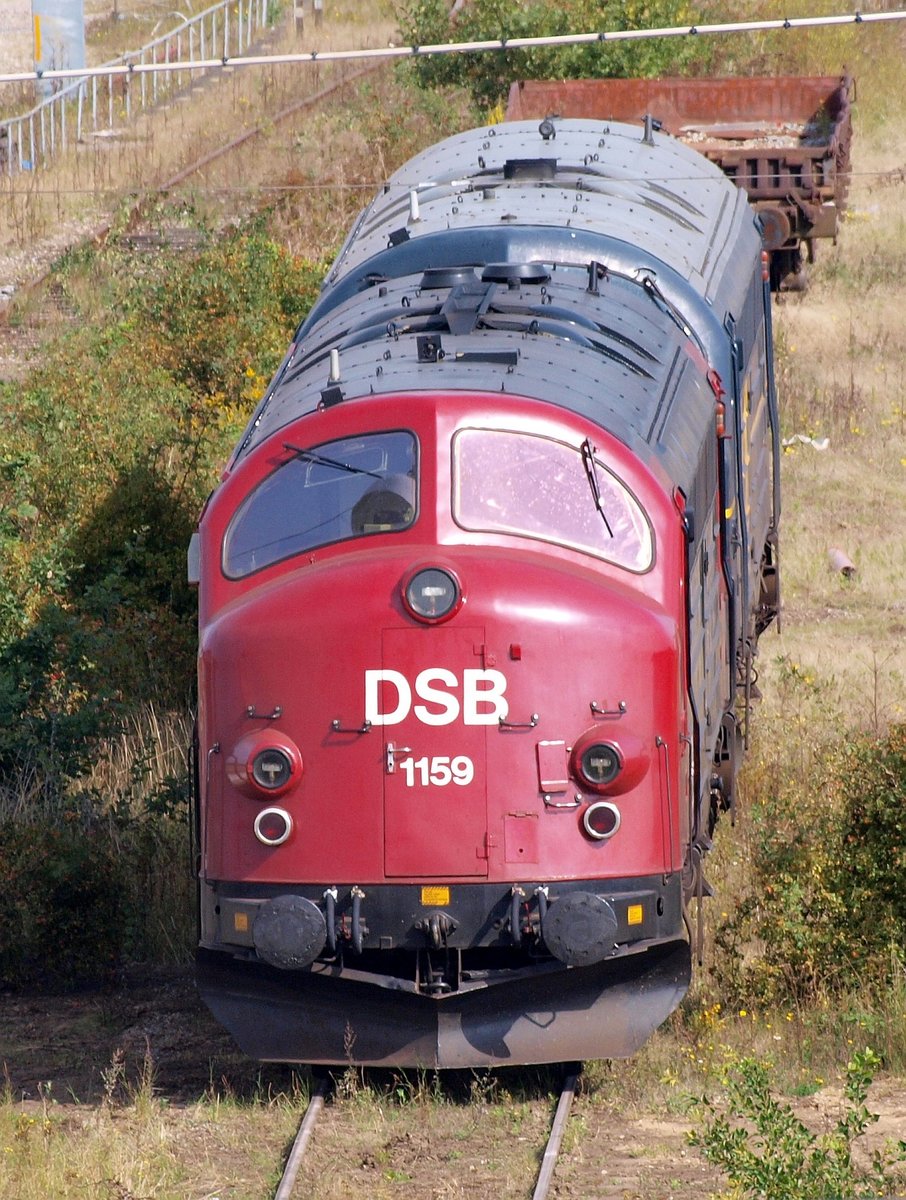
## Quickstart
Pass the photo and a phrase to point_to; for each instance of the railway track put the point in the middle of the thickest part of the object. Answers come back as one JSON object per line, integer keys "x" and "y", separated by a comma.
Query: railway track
{"x": 36, "y": 300}
{"x": 288, "y": 1190}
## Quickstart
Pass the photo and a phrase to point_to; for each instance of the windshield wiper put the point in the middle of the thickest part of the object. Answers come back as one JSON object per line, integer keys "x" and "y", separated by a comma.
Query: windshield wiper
{"x": 591, "y": 472}
{"x": 322, "y": 461}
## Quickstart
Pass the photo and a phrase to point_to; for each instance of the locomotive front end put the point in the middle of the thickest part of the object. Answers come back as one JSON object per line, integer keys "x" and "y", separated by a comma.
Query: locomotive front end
{"x": 477, "y": 595}
{"x": 442, "y": 724}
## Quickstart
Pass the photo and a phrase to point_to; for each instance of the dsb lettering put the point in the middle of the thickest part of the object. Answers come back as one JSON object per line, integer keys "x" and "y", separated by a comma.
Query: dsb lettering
{"x": 389, "y": 697}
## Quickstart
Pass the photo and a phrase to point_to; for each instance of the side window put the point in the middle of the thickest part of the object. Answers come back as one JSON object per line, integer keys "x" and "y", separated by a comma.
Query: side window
{"x": 540, "y": 488}
{"x": 344, "y": 489}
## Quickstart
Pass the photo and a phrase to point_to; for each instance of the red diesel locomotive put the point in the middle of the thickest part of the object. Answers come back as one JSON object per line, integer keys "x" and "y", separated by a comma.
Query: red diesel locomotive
{"x": 479, "y": 599}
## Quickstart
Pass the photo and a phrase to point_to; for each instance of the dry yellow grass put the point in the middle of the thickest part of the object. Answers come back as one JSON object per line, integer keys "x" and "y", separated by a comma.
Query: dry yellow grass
{"x": 842, "y": 370}
{"x": 43, "y": 212}
{"x": 142, "y": 1148}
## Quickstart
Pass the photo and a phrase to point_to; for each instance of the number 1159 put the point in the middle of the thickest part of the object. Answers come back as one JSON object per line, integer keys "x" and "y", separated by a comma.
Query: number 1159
{"x": 438, "y": 771}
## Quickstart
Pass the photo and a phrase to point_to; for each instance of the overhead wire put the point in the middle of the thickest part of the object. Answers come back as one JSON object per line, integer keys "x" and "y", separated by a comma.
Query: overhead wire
{"x": 369, "y": 186}
{"x": 854, "y": 18}
{"x": 130, "y": 67}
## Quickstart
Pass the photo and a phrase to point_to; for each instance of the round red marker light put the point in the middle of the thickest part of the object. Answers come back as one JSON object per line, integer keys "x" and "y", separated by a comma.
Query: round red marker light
{"x": 601, "y": 821}
{"x": 273, "y": 826}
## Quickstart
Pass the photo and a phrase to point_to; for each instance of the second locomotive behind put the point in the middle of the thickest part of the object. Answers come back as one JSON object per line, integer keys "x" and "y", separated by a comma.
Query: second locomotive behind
{"x": 479, "y": 600}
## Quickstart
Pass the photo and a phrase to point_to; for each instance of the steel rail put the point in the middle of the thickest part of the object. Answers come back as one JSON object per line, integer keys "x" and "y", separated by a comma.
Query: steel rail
{"x": 495, "y": 44}
{"x": 99, "y": 234}
{"x": 548, "y": 1161}
{"x": 552, "y": 1150}
{"x": 274, "y": 119}
{"x": 297, "y": 1153}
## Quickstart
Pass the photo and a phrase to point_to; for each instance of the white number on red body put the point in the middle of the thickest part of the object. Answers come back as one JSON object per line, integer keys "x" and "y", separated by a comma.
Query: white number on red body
{"x": 438, "y": 771}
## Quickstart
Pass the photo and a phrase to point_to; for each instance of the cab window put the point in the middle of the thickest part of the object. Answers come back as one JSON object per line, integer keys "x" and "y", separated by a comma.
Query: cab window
{"x": 540, "y": 488}
{"x": 349, "y": 488}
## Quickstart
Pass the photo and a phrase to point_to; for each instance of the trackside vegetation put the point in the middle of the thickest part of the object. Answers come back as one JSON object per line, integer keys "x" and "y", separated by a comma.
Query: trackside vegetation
{"x": 107, "y": 451}
{"x": 825, "y": 898}
{"x": 766, "y": 1150}
{"x": 488, "y": 76}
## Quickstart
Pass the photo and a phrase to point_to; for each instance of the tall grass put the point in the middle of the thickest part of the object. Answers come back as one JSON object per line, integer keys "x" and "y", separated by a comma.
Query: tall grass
{"x": 145, "y": 772}
{"x": 134, "y": 1145}
{"x": 99, "y": 873}
{"x": 146, "y": 758}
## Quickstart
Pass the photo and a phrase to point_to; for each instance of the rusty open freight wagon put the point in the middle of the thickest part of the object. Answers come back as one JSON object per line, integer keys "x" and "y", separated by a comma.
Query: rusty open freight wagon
{"x": 785, "y": 140}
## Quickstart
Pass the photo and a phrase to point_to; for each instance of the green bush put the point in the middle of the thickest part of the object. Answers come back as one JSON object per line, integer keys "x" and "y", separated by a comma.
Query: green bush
{"x": 769, "y": 1154}
{"x": 81, "y": 897}
{"x": 52, "y": 714}
{"x": 62, "y": 905}
{"x": 826, "y": 905}
{"x": 488, "y": 75}
{"x": 107, "y": 451}
{"x": 106, "y": 454}
{"x": 870, "y": 875}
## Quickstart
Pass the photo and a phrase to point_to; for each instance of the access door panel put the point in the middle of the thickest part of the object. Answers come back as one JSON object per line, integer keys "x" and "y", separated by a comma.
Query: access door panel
{"x": 434, "y": 703}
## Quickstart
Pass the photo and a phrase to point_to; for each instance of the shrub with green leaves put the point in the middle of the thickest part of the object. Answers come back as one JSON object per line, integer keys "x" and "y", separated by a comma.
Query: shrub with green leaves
{"x": 488, "y": 76}
{"x": 62, "y": 905}
{"x": 52, "y": 715}
{"x": 107, "y": 450}
{"x": 82, "y": 895}
{"x": 871, "y": 873}
{"x": 768, "y": 1153}
{"x": 106, "y": 454}
{"x": 826, "y": 904}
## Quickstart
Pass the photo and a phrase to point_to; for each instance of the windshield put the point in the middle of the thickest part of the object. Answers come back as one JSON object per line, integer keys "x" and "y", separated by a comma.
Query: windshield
{"x": 348, "y": 488}
{"x": 540, "y": 488}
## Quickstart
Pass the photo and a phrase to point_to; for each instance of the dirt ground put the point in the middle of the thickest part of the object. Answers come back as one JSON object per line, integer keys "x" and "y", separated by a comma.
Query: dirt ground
{"x": 462, "y": 1138}
{"x": 71, "y": 1040}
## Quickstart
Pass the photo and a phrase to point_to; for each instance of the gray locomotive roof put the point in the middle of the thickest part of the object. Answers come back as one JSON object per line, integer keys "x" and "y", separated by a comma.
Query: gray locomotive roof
{"x": 615, "y": 354}
{"x": 654, "y": 193}
{"x": 592, "y": 269}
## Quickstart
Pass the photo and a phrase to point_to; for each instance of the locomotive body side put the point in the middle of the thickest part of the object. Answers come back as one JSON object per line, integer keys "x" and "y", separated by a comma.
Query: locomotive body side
{"x": 477, "y": 595}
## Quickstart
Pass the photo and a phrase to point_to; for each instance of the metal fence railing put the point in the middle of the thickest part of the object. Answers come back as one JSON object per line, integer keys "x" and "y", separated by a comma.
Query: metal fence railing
{"x": 28, "y": 142}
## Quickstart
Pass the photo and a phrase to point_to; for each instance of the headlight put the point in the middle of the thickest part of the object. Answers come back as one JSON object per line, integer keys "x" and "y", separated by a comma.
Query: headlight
{"x": 610, "y": 764}
{"x": 432, "y": 594}
{"x": 272, "y": 768}
{"x": 599, "y": 764}
{"x": 264, "y": 764}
